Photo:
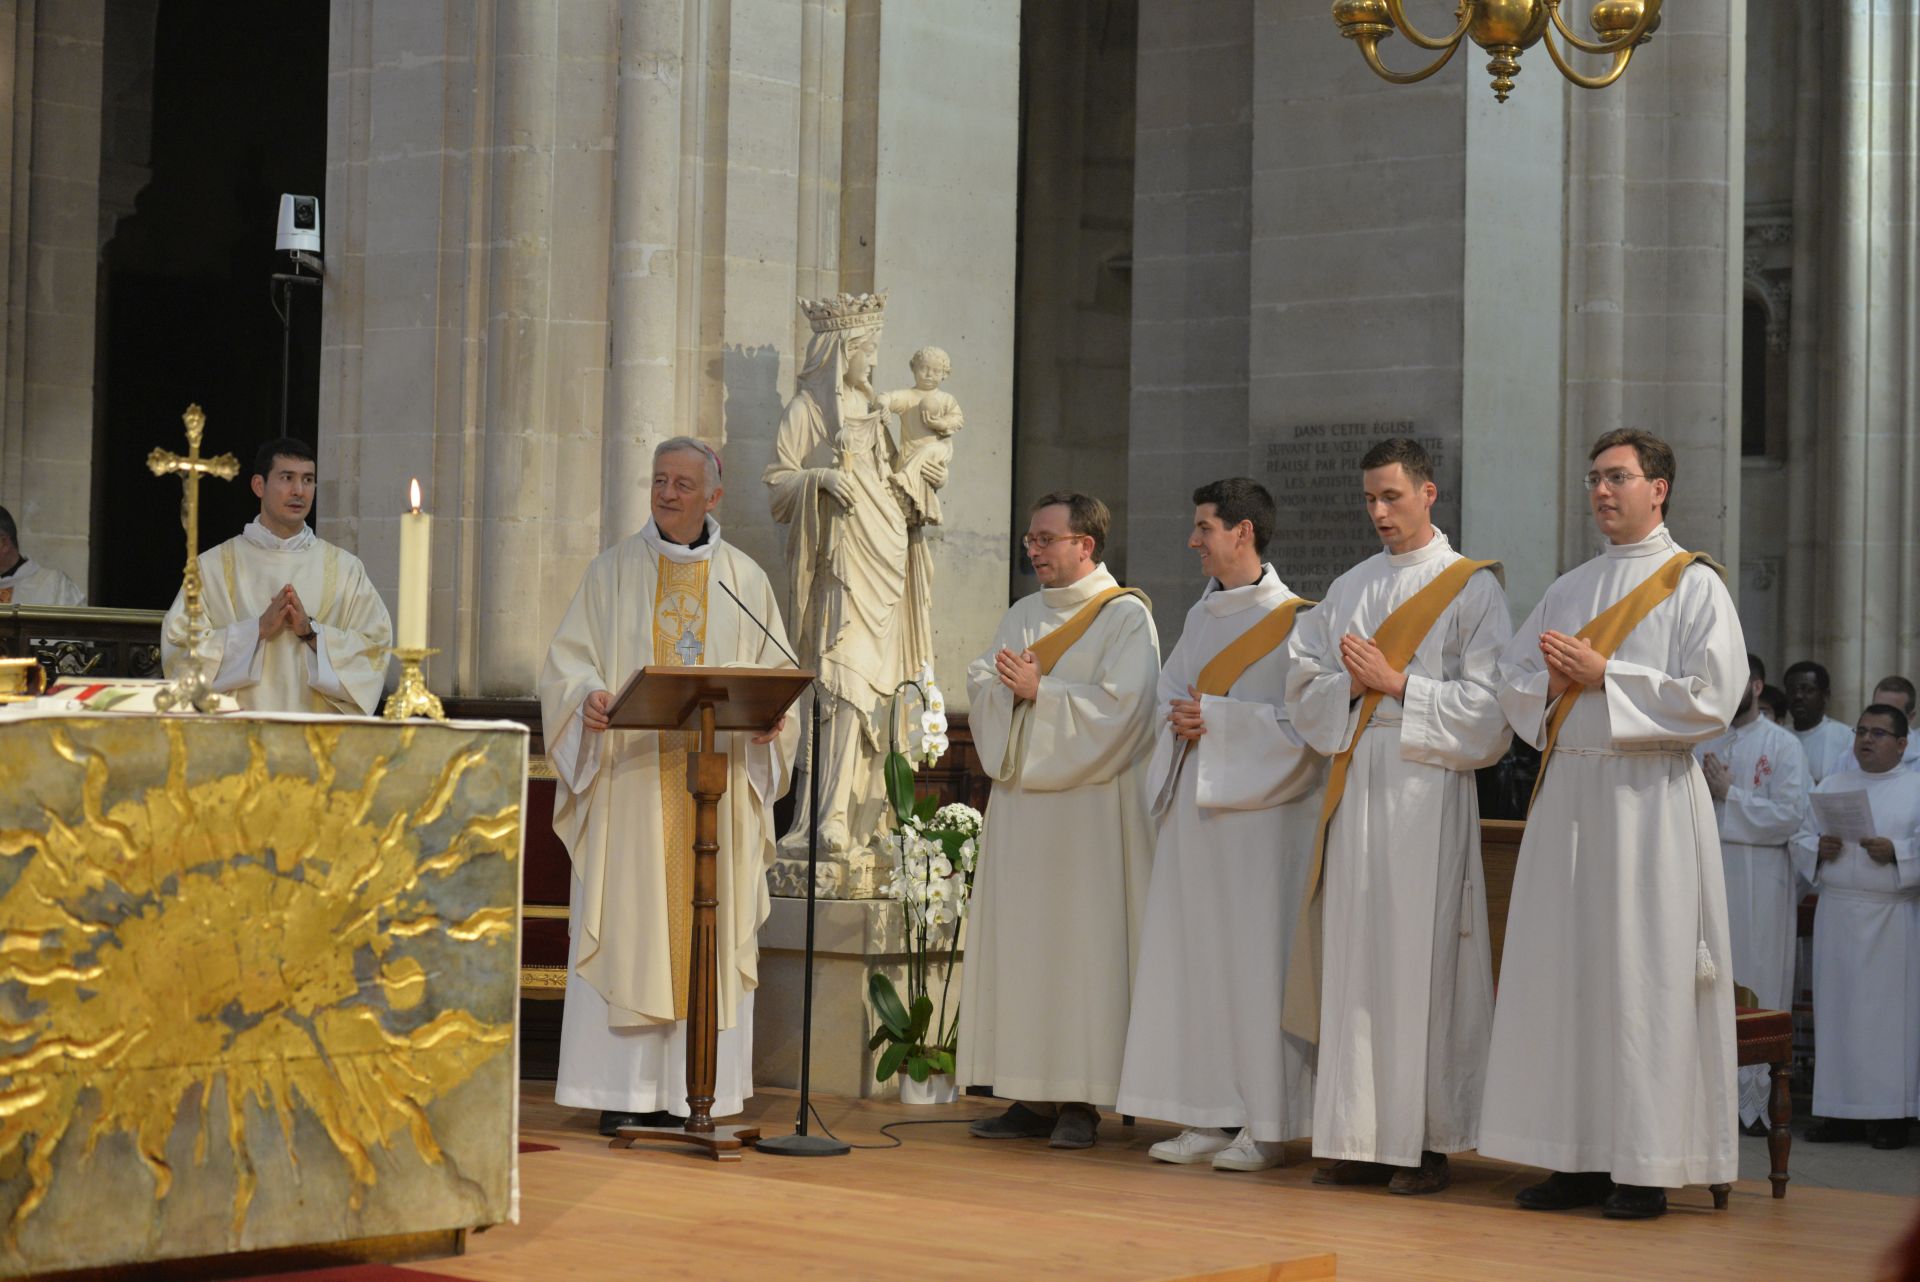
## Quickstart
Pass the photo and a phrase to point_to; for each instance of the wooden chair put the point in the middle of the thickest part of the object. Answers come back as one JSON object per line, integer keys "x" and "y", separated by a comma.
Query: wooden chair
{"x": 1766, "y": 1037}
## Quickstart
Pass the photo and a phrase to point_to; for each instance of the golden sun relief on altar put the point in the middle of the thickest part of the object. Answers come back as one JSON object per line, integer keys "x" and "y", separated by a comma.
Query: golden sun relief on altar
{"x": 257, "y": 984}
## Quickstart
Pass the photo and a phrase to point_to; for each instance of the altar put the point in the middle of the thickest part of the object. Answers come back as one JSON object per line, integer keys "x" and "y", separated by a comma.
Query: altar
{"x": 258, "y": 983}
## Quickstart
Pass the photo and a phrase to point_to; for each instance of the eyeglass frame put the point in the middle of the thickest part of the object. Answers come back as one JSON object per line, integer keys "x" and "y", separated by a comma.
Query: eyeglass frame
{"x": 1874, "y": 733}
{"x": 1613, "y": 478}
{"x": 1047, "y": 540}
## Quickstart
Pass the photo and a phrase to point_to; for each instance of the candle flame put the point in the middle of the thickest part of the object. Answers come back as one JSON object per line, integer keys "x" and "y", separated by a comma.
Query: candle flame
{"x": 413, "y": 489}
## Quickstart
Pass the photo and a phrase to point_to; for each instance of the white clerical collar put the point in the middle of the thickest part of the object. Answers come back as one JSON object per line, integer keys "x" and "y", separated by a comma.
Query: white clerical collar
{"x": 1267, "y": 590}
{"x": 1097, "y": 581}
{"x": 1437, "y": 546}
{"x": 676, "y": 552}
{"x": 1657, "y": 542}
{"x": 261, "y": 537}
{"x": 20, "y": 570}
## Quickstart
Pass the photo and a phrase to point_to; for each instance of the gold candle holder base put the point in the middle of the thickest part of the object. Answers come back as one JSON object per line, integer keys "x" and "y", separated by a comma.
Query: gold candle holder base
{"x": 412, "y": 699}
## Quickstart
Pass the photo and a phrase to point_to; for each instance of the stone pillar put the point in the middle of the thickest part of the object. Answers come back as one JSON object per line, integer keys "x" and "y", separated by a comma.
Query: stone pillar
{"x": 1200, "y": 206}
{"x": 50, "y": 162}
{"x": 1656, "y": 180}
{"x": 1869, "y": 622}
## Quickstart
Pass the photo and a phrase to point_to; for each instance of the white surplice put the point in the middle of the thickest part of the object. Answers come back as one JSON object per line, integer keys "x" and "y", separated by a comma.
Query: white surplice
{"x": 1766, "y": 804}
{"x": 1406, "y": 990}
{"x": 1065, "y": 856}
{"x": 1610, "y": 1051}
{"x": 1866, "y": 957}
{"x": 1236, "y": 812}
{"x": 345, "y": 668}
{"x": 621, "y": 1047}
{"x": 31, "y": 583}
{"x": 1828, "y": 747}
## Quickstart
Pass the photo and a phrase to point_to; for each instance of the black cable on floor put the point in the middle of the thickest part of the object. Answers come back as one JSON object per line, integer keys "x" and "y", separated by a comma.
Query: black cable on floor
{"x": 887, "y": 1130}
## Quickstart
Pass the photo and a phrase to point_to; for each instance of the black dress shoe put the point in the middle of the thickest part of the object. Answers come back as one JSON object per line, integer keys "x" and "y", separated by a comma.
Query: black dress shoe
{"x": 1835, "y": 1130}
{"x": 1565, "y": 1190}
{"x": 611, "y": 1122}
{"x": 1890, "y": 1134}
{"x": 1634, "y": 1202}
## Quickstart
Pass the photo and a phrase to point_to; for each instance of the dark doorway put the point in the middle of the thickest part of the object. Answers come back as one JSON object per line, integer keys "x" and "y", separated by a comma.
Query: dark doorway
{"x": 239, "y": 116}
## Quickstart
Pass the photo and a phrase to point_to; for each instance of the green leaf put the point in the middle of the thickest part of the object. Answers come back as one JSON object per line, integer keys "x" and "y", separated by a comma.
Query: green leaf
{"x": 919, "y": 1017}
{"x": 926, "y": 808}
{"x": 886, "y": 1004}
{"x": 899, "y": 786}
{"x": 943, "y": 1061}
{"x": 890, "y": 1062}
{"x": 918, "y": 1068}
{"x": 881, "y": 1036}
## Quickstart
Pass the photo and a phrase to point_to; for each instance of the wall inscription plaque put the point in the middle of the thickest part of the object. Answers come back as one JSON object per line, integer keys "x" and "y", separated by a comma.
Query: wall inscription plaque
{"x": 1313, "y": 472}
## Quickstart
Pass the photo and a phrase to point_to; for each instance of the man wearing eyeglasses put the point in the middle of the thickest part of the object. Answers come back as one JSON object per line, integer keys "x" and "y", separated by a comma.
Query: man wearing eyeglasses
{"x": 1063, "y": 719}
{"x": 1757, "y": 774}
{"x": 1613, "y": 1052}
{"x": 1866, "y": 945}
{"x": 1897, "y": 692}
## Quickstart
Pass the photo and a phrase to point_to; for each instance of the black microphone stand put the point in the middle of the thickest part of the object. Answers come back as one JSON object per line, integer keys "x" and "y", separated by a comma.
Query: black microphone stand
{"x": 801, "y": 1144}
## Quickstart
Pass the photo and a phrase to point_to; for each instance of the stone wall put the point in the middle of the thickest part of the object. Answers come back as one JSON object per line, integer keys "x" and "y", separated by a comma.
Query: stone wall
{"x": 50, "y": 163}
{"x": 560, "y": 233}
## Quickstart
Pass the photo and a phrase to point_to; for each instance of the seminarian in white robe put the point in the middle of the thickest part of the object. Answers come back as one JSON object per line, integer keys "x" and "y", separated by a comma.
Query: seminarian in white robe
{"x": 1866, "y": 957}
{"x": 1765, "y": 805}
{"x": 343, "y": 669}
{"x": 32, "y": 583}
{"x": 1828, "y": 747}
{"x": 623, "y": 811}
{"x": 1407, "y": 977}
{"x": 1611, "y": 1051}
{"x": 1066, "y": 853}
{"x": 1237, "y": 809}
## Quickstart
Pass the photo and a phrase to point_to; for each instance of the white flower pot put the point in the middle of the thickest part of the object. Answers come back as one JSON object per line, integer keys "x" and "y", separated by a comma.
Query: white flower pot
{"x": 937, "y": 1089}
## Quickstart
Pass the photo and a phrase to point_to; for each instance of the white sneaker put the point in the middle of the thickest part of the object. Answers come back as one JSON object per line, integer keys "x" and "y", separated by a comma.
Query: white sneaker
{"x": 1195, "y": 1144}
{"x": 1249, "y": 1154}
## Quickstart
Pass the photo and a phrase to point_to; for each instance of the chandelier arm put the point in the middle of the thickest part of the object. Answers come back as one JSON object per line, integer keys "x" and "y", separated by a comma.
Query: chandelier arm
{"x": 1397, "y": 12}
{"x": 1620, "y": 59}
{"x": 1371, "y": 53}
{"x": 1648, "y": 16}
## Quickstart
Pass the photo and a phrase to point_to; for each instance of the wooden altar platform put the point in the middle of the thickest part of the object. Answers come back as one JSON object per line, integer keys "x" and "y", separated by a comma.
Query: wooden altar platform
{"x": 945, "y": 1206}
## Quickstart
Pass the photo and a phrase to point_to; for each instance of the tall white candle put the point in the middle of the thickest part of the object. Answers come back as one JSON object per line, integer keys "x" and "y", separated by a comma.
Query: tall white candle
{"x": 416, "y": 561}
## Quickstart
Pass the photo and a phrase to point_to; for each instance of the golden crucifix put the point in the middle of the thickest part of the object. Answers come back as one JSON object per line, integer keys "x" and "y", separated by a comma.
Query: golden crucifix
{"x": 192, "y": 688}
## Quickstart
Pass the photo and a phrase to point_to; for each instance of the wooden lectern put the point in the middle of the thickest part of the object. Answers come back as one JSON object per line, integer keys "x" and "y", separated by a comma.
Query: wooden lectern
{"x": 674, "y": 698}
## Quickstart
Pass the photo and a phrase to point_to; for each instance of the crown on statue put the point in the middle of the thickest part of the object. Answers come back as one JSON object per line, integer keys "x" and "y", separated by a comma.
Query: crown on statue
{"x": 844, "y": 311}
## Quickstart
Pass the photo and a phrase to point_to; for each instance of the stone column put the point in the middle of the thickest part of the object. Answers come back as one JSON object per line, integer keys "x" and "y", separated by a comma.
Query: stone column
{"x": 50, "y": 141}
{"x": 1202, "y": 206}
{"x": 1656, "y": 180}
{"x": 1868, "y": 623}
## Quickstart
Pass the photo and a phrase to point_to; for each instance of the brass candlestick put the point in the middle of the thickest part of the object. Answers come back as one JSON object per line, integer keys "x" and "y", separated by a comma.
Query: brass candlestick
{"x": 412, "y": 699}
{"x": 193, "y": 688}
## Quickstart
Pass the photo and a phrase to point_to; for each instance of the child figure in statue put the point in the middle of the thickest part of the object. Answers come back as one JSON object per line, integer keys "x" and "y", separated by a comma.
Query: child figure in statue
{"x": 929, "y": 418}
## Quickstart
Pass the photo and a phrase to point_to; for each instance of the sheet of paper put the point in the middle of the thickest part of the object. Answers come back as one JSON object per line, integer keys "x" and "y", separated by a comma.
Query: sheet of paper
{"x": 1846, "y": 815}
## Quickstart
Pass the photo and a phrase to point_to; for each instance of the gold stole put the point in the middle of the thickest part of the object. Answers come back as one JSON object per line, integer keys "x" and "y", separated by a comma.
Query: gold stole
{"x": 329, "y": 575}
{"x": 1398, "y": 637}
{"x": 1247, "y": 649}
{"x": 1608, "y": 629}
{"x": 1048, "y": 649}
{"x": 679, "y": 611}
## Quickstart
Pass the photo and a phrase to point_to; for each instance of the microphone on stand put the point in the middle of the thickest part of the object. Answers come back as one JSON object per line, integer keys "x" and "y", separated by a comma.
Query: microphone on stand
{"x": 801, "y": 1144}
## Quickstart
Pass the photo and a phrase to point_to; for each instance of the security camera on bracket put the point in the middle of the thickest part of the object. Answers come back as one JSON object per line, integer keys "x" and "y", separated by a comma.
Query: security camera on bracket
{"x": 299, "y": 235}
{"x": 299, "y": 231}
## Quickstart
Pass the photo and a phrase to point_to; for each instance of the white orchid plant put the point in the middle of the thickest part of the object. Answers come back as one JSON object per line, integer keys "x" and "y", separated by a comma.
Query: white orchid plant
{"x": 935, "y": 849}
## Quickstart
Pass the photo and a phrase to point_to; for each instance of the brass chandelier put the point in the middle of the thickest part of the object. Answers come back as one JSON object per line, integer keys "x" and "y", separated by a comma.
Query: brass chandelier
{"x": 1505, "y": 29}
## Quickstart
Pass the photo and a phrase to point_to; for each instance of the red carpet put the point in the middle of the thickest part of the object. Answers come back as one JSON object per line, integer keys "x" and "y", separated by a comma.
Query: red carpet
{"x": 528, "y": 1146}
{"x": 349, "y": 1273}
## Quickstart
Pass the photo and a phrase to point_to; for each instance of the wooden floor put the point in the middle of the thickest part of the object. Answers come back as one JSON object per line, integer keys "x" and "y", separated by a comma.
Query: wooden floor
{"x": 947, "y": 1206}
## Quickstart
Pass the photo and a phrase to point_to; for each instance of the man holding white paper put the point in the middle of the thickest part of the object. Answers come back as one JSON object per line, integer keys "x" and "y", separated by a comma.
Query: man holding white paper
{"x": 1866, "y": 938}
{"x": 296, "y": 625}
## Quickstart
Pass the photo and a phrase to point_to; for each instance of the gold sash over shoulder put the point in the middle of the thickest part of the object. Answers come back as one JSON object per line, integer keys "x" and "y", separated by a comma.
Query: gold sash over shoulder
{"x": 1608, "y": 629}
{"x": 1251, "y": 646}
{"x": 1048, "y": 649}
{"x": 1398, "y": 637}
